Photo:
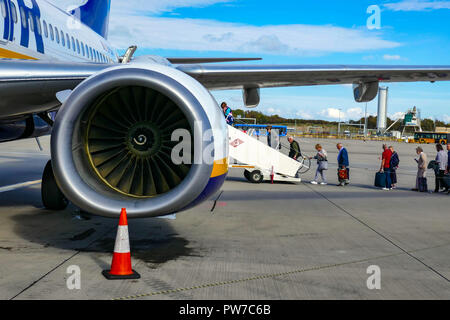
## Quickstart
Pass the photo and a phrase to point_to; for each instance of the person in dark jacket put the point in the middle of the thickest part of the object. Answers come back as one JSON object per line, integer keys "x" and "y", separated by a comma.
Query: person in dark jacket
{"x": 269, "y": 136}
{"x": 343, "y": 163}
{"x": 294, "y": 151}
{"x": 395, "y": 161}
{"x": 448, "y": 165}
{"x": 442, "y": 163}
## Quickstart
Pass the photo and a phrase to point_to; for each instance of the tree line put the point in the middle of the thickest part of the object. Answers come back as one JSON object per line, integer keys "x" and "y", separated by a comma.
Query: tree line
{"x": 427, "y": 124}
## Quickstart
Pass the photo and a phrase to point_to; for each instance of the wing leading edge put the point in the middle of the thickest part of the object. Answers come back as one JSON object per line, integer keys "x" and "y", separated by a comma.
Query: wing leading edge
{"x": 221, "y": 77}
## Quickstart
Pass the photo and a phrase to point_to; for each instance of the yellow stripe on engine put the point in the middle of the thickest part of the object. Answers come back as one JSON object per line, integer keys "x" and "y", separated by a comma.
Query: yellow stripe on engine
{"x": 220, "y": 168}
{"x": 7, "y": 54}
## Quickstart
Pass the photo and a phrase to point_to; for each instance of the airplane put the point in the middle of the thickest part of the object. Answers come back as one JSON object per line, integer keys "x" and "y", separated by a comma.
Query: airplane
{"x": 111, "y": 139}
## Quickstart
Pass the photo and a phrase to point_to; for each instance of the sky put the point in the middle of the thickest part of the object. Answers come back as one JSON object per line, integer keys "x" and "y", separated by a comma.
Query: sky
{"x": 411, "y": 32}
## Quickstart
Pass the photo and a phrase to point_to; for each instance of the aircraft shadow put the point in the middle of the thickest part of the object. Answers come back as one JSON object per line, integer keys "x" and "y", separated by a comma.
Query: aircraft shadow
{"x": 154, "y": 241}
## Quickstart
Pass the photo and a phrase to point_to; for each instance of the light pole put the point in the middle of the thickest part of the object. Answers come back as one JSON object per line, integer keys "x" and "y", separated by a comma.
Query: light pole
{"x": 339, "y": 124}
{"x": 365, "y": 123}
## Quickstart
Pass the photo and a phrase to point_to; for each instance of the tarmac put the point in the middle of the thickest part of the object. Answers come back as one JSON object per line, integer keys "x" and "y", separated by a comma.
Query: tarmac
{"x": 252, "y": 242}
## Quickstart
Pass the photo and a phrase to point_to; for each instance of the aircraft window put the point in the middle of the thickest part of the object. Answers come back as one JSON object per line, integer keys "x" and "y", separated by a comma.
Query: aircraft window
{"x": 73, "y": 44}
{"x": 63, "y": 40}
{"x": 57, "y": 35}
{"x": 87, "y": 51}
{"x": 38, "y": 26}
{"x": 82, "y": 48}
{"x": 23, "y": 18}
{"x": 45, "y": 28}
{"x": 78, "y": 47}
{"x": 52, "y": 34}
{"x": 90, "y": 51}
{"x": 14, "y": 12}
{"x": 3, "y": 6}
{"x": 68, "y": 40}
{"x": 30, "y": 18}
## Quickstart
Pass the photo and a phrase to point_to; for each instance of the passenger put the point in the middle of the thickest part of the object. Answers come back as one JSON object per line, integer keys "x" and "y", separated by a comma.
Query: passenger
{"x": 228, "y": 113}
{"x": 448, "y": 167}
{"x": 386, "y": 166}
{"x": 395, "y": 161}
{"x": 442, "y": 162}
{"x": 322, "y": 165}
{"x": 294, "y": 151}
{"x": 343, "y": 164}
{"x": 269, "y": 136}
{"x": 422, "y": 163}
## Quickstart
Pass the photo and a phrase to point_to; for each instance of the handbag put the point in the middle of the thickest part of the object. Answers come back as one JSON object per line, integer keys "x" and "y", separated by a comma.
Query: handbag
{"x": 343, "y": 175}
{"x": 323, "y": 165}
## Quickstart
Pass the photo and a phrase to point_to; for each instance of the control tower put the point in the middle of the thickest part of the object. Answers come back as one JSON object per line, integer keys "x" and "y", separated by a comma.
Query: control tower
{"x": 411, "y": 121}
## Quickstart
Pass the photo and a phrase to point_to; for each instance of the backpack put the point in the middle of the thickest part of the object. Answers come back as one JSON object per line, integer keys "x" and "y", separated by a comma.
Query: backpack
{"x": 395, "y": 161}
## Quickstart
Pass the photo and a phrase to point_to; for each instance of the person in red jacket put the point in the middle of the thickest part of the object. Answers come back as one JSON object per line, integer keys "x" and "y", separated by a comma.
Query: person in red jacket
{"x": 386, "y": 166}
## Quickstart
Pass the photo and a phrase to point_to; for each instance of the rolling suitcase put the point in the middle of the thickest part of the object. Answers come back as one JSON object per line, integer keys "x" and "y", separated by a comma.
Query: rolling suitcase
{"x": 380, "y": 180}
{"x": 423, "y": 185}
{"x": 446, "y": 181}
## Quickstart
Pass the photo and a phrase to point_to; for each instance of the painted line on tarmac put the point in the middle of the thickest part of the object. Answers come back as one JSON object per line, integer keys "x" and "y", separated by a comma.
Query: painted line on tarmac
{"x": 19, "y": 186}
{"x": 380, "y": 234}
{"x": 62, "y": 263}
{"x": 274, "y": 275}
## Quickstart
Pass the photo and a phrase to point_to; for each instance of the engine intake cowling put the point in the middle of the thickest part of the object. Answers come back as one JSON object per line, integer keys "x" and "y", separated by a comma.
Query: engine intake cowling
{"x": 112, "y": 141}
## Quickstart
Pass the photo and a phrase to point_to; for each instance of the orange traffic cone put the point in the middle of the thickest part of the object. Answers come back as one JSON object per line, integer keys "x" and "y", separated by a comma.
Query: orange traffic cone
{"x": 121, "y": 262}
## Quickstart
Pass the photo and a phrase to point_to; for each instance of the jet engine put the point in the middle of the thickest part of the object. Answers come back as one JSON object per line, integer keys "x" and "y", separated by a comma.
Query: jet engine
{"x": 115, "y": 138}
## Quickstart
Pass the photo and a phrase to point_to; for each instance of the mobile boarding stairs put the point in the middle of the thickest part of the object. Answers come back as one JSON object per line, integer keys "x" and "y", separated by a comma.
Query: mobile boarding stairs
{"x": 261, "y": 162}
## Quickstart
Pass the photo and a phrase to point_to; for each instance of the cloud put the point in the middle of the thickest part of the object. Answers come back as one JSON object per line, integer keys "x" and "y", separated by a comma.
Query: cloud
{"x": 336, "y": 114}
{"x": 304, "y": 115}
{"x": 273, "y": 111}
{"x": 397, "y": 115}
{"x": 354, "y": 113}
{"x": 392, "y": 57}
{"x": 446, "y": 118}
{"x": 332, "y": 113}
{"x": 210, "y": 35}
{"x": 418, "y": 5}
{"x": 139, "y": 22}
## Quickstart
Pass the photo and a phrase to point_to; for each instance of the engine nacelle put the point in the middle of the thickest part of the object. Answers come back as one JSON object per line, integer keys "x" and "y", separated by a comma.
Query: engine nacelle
{"x": 112, "y": 143}
{"x": 365, "y": 91}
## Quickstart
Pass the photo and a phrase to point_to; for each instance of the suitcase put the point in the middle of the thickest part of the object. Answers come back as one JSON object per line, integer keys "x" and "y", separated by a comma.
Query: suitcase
{"x": 446, "y": 181}
{"x": 423, "y": 185}
{"x": 380, "y": 180}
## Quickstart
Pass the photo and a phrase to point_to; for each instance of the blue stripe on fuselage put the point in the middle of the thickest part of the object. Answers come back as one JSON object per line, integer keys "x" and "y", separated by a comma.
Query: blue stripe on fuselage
{"x": 25, "y": 31}
{"x": 214, "y": 185}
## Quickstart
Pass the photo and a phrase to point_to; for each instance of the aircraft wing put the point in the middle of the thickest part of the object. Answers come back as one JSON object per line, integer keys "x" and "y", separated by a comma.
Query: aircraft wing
{"x": 218, "y": 77}
{"x": 30, "y": 86}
